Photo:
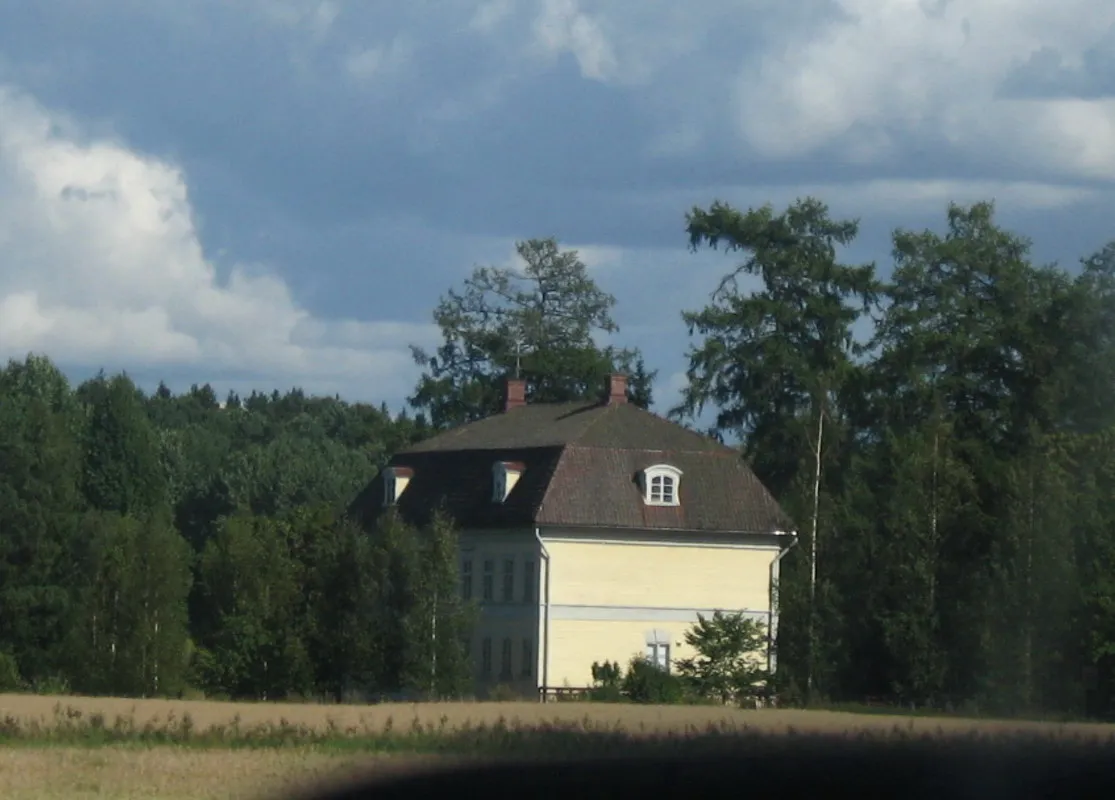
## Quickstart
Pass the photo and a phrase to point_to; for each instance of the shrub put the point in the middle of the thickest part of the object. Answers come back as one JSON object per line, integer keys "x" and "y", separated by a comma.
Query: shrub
{"x": 10, "y": 681}
{"x": 729, "y": 666}
{"x": 502, "y": 693}
{"x": 646, "y": 682}
{"x": 606, "y": 680}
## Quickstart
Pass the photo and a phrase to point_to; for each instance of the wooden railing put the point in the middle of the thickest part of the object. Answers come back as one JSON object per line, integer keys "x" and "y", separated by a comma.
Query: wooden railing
{"x": 561, "y": 693}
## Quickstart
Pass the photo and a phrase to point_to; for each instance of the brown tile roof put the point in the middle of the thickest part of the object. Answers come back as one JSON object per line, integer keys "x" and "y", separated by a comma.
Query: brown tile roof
{"x": 581, "y": 466}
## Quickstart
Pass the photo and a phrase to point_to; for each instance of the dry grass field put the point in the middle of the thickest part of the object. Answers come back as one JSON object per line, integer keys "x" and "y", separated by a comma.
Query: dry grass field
{"x": 323, "y": 742}
{"x": 175, "y": 773}
{"x": 448, "y": 717}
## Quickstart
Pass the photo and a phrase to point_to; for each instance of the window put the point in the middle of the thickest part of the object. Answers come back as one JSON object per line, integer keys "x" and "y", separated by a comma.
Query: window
{"x": 505, "y": 659}
{"x": 489, "y": 580}
{"x": 527, "y": 667}
{"x": 508, "y": 580}
{"x": 466, "y": 579}
{"x": 661, "y": 485}
{"x": 395, "y": 480}
{"x": 486, "y": 657}
{"x": 528, "y": 581}
{"x": 505, "y": 474}
{"x": 658, "y": 653}
{"x": 662, "y": 489}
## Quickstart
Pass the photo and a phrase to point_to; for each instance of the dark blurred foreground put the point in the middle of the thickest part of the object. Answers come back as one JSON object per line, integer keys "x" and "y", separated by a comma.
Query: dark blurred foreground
{"x": 791, "y": 766}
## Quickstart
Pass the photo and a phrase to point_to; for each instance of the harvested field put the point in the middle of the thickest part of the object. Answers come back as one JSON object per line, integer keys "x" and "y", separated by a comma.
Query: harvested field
{"x": 175, "y": 773}
{"x": 43, "y": 712}
{"x": 118, "y": 748}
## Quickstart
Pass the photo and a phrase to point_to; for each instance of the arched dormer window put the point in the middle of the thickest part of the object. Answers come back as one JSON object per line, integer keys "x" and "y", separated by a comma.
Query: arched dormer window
{"x": 395, "y": 480}
{"x": 505, "y": 474}
{"x": 661, "y": 484}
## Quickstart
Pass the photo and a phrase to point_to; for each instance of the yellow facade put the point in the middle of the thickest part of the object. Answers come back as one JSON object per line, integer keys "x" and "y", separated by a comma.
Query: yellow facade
{"x": 575, "y": 645}
{"x": 609, "y": 597}
{"x": 627, "y": 572}
{"x": 612, "y": 599}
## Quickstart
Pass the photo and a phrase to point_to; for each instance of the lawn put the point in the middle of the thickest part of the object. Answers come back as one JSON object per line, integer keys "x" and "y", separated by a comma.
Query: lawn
{"x": 79, "y": 747}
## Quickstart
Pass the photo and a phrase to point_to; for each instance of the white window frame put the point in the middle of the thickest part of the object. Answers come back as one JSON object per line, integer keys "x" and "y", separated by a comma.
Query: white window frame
{"x": 501, "y": 477}
{"x": 391, "y": 478}
{"x": 655, "y": 480}
{"x": 658, "y": 650}
{"x": 658, "y": 654}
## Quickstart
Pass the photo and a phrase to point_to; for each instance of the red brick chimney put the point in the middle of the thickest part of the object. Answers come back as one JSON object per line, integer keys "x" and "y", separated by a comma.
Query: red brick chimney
{"x": 514, "y": 394}
{"x": 617, "y": 389}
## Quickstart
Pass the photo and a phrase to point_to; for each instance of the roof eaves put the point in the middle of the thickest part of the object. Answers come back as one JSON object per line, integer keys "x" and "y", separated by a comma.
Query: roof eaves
{"x": 690, "y": 531}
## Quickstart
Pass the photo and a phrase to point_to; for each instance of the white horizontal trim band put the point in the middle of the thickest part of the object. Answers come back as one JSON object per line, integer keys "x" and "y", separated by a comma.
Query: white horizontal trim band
{"x": 588, "y": 613}
{"x": 643, "y": 613}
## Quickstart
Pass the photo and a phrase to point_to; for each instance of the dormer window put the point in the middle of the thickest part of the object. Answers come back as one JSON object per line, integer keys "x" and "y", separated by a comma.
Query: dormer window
{"x": 660, "y": 485}
{"x": 395, "y": 480}
{"x": 505, "y": 474}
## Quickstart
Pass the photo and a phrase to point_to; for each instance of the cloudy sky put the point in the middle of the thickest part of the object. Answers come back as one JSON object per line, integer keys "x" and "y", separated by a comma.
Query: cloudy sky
{"x": 267, "y": 193}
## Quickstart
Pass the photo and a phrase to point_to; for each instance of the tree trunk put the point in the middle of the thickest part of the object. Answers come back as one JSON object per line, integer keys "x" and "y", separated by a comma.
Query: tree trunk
{"x": 813, "y": 554}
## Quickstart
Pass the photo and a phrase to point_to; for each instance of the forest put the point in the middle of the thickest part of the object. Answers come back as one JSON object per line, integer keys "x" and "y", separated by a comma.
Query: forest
{"x": 939, "y": 427}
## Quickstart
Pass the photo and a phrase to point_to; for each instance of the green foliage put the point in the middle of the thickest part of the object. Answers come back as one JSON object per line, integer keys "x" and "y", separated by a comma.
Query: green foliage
{"x": 943, "y": 438}
{"x": 341, "y": 593}
{"x": 420, "y": 621}
{"x": 10, "y": 680}
{"x": 646, "y": 682}
{"x": 251, "y": 611}
{"x": 607, "y": 679}
{"x": 539, "y": 322}
{"x": 40, "y": 495}
{"x": 730, "y": 662}
{"x": 774, "y": 357}
{"x": 112, "y": 503}
{"x": 130, "y": 633}
{"x": 122, "y": 470}
{"x": 963, "y": 538}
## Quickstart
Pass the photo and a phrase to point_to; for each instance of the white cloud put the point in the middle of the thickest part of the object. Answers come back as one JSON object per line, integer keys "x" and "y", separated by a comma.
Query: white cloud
{"x": 102, "y": 264}
{"x": 370, "y": 62}
{"x": 488, "y": 16}
{"x": 315, "y": 16}
{"x": 563, "y": 27}
{"x": 912, "y": 198}
{"x": 886, "y": 69}
{"x": 598, "y": 258}
{"x": 893, "y": 201}
{"x": 634, "y": 42}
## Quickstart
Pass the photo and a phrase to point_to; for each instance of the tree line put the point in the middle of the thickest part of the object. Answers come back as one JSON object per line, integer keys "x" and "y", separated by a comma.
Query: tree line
{"x": 942, "y": 436}
{"x": 162, "y": 544}
{"x": 949, "y": 467}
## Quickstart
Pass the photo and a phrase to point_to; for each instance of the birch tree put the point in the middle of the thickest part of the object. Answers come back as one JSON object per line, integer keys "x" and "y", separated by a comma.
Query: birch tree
{"x": 776, "y": 354}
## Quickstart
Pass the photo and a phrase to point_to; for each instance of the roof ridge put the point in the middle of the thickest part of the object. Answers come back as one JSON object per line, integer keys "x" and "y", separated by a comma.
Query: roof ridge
{"x": 704, "y": 438}
{"x": 607, "y": 409}
{"x": 727, "y": 452}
